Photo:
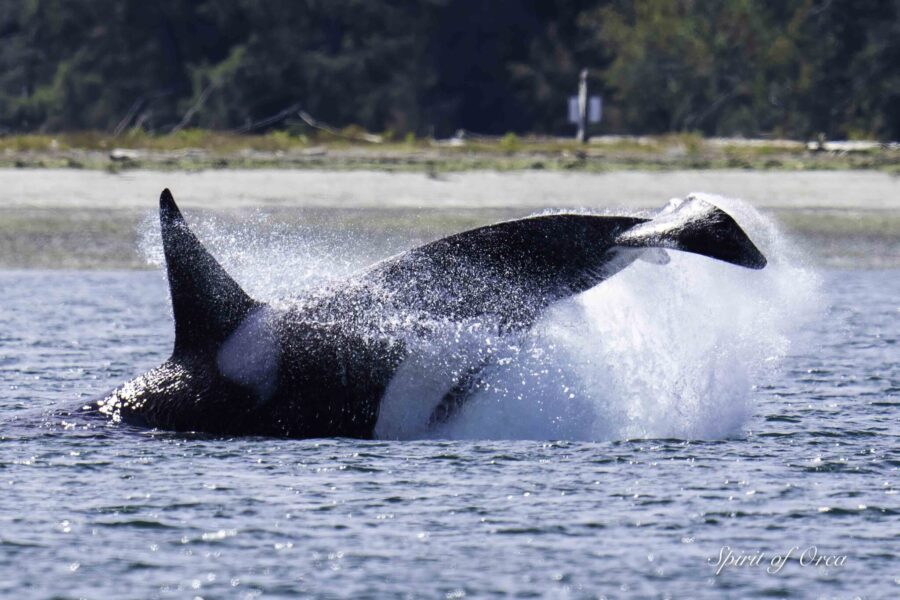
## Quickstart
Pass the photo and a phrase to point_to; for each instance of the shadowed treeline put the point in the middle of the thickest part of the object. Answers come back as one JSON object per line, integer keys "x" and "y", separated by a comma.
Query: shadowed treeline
{"x": 794, "y": 68}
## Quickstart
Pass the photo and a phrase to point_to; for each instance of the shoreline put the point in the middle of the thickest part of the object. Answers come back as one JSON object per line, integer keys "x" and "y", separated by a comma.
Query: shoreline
{"x": 527, "y": 189}
{"x": 68, "y": 218}
{"x": 198, "y": 150}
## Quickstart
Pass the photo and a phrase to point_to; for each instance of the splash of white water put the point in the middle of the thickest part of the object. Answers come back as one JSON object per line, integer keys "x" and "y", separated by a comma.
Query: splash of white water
{"x": 668, "y": 351}
{"x": 272, "y": 260}
{"x": 656, "y": 351}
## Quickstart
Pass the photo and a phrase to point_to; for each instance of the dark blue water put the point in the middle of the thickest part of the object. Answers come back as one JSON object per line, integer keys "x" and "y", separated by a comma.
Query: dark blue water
{"x": 781, "y": 436}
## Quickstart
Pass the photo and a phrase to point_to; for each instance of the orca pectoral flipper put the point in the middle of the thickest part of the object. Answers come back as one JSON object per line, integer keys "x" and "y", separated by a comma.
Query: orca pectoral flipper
{"x": 697, "y": 226}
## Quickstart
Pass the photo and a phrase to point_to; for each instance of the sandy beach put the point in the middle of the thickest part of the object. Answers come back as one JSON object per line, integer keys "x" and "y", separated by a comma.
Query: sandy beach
{"x": 62, "y": 218}
{"x": 527, "y": 190}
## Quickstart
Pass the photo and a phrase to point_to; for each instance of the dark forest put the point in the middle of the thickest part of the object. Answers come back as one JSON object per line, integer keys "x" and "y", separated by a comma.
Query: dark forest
{"x": 794, "y": 68}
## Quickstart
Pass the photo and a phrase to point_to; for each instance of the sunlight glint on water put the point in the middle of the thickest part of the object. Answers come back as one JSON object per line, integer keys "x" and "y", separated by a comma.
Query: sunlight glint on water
{"x": 89, "y": 509}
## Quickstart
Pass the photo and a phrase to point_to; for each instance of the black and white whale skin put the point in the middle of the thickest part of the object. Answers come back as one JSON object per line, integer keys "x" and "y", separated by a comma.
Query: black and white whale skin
{"x": 320, "y": 367}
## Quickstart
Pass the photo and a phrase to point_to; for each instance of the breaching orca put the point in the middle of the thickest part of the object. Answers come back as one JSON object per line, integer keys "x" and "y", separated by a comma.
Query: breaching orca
{"x": 321, "y": 367}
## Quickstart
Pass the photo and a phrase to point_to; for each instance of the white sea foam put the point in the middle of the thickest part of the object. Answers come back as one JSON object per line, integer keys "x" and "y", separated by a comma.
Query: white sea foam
{"x": 669, "y": 351}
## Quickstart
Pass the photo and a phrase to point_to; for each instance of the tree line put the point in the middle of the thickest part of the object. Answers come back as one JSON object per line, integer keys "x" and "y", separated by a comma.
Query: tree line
{"x": 794, "y": 68}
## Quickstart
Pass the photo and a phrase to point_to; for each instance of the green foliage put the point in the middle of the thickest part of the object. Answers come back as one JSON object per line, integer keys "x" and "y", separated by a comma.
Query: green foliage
{"x": 430, "y": 67}
{"x": 509, "y": 142}
{"x": 740, "y": 67}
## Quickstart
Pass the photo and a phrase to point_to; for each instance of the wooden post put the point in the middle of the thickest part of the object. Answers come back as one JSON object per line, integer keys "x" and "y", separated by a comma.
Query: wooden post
{"x": 581, "y": 136}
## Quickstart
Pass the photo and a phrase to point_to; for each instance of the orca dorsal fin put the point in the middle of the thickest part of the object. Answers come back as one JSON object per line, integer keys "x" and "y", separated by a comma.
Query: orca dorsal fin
{"x": 207, "y": 303}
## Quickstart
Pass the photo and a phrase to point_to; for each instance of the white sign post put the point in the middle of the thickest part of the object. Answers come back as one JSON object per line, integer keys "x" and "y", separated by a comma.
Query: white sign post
{"x": 584, "y": 109}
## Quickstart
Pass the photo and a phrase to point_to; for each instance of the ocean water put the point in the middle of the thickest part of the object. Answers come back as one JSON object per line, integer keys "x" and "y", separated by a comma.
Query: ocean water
{"x": 690, "y": 430}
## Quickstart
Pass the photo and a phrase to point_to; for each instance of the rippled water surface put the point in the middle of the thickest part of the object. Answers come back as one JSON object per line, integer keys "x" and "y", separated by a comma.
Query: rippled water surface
{"x": 803, "y": 453}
